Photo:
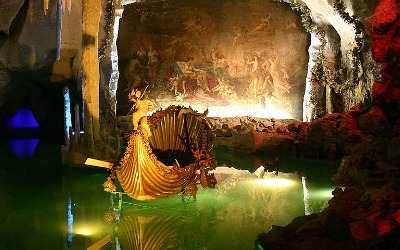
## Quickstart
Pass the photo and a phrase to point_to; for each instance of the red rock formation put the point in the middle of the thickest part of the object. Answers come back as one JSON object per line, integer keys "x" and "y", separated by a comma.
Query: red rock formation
{"x": 369, "y": 207}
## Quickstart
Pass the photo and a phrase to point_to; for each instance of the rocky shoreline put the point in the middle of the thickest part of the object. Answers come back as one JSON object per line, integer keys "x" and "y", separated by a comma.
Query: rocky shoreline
{"x": 366, "y": 213}
{"x": 363, "y": 215}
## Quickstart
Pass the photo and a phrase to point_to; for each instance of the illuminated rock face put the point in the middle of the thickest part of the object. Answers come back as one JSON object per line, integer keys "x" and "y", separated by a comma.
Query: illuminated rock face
{"x": 27, "y": 53}
{"x": 369, "y": 204}
{"x": 9, "y": 10}
{"x": 250, "y": 56}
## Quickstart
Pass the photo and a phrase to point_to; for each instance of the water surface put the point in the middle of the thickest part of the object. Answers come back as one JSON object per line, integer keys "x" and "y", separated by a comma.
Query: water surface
{"x": 44, "y": 205}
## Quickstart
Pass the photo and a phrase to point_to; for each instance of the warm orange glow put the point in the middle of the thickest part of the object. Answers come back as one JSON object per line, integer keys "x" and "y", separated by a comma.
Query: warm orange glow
{"x": 86, "y": 230}
{"x": 267, "y": 109}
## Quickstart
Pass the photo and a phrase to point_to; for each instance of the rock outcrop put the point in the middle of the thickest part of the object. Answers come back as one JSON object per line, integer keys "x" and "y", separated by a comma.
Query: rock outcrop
{"x": 364, "y": 214}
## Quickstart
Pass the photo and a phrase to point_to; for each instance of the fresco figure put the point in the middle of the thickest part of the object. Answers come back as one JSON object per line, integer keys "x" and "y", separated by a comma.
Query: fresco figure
{"x": 225, "y": 90}
{"x": 267, "y": 86}
{"x": 134, "y": 74}
{"x": 253, "y": 68}
{"x": 290, "y": 24}
{"x": 202, "y": 79}
{"x": 184, "y": 71}
{"x": 217, "y": 59}
{"x": 264, "y": 24}
{"x": 194, "y": 27}
{"x": 279, "y": 77}
{"x": 153, "y": 62}
{"x": 141, "y": 55}
{"x": 254, "y": 64}
{"x": 174, "y": 84}
{"x": 186, "y": 68}
{"x": 240, "y": 35}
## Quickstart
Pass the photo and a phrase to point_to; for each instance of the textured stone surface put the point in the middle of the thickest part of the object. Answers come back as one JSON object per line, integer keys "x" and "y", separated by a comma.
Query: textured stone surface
{"x": 375, "y": 121}
{"x": 26, "y": 59}
{"x": 9, "y": 10}
{"x": 369, "y": 204}
{"x": 33, "y": 44}
{"x": 394, "y": 151}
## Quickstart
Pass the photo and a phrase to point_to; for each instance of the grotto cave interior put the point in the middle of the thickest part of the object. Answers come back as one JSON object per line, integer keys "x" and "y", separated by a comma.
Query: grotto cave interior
{"x": 315, "y": 79}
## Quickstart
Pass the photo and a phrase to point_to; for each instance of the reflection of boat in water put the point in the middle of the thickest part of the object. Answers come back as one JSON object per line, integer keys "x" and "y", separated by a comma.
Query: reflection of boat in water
{"x": 145, "y": 232}
{"x": 161, "y": 224}
{"x": 227, "y": 217}
{"x": 149, "y": 232}
{"x": 179, "y": 137}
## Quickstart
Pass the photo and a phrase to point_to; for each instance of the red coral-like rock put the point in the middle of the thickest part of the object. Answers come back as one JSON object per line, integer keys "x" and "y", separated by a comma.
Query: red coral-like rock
{"x": 384, "y": 226}
{"x": 396, "y": 215}
{"x": 388, "y": 7}
{"x": 361, "y": 230}
{"x": 374, "y": 121}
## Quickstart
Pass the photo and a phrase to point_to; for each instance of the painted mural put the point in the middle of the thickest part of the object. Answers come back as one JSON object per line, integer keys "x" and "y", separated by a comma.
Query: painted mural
{"x": 221, "y": 55}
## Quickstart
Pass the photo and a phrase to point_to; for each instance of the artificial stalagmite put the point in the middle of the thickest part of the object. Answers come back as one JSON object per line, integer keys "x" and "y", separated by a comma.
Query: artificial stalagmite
{"x": 90, "y": 85}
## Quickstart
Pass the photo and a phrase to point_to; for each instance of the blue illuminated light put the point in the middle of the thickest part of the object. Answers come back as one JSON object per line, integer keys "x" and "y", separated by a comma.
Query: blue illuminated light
{"x": 67, "y": 105}
{"x": 22, "y": 147}
{"x": 70, "y": 218}
{"x": 22, "y": 119}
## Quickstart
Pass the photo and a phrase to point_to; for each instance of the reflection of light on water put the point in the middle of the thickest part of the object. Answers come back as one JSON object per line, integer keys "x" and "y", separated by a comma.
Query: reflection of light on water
{"x": 255, "y": 186}
{"x": 273, "y": 182}
{"x": 271, "y": 178}
{"x": 76, "y": 228}
{"x": 70, "y": 217}
{"x": 22, "y": 147}
{"x": 269, "y": 110}
{"x": 306, "y": 196}
{"x": 83, "y": 231}
{"x": 323, "y": 193}
{"x": 85, "y": 228}
{"x": 242, "y": 205}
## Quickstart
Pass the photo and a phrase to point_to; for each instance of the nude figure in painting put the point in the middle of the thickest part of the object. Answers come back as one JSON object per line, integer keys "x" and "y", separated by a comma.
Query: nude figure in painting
{"x": 264, "y": 24}
{"x": 134, "y": 74}
{"x": 152, "y": 65}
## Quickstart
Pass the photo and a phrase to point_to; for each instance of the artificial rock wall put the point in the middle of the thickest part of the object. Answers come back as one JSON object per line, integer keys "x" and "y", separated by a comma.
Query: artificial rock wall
{"x": 332, "y": 77}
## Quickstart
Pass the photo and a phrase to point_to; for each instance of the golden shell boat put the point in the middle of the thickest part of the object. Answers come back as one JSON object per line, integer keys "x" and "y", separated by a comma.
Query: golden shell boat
{"x": 151, "y": 165}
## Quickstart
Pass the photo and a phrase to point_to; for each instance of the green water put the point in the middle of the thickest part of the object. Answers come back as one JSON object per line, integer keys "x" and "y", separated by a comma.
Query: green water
{"x": 44, "y": 205}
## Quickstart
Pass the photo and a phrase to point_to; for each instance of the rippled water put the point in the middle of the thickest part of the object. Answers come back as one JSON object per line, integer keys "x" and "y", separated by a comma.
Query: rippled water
{"x": 44, "y": 205}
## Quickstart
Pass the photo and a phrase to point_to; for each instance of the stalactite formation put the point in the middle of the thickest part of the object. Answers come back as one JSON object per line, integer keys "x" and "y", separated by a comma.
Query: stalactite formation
{"x": 69, "y": 6}
{"x": 359, "y": 37}
{"x": 45, "y": 6}
{"x": 59, "y": 27}
{"x": 319, "y": 77}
